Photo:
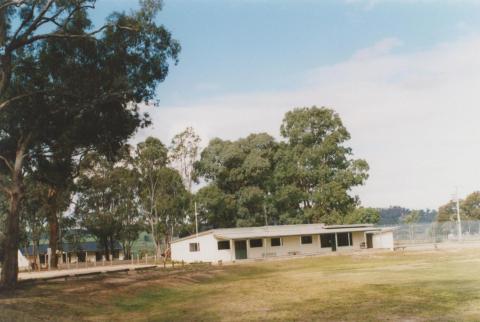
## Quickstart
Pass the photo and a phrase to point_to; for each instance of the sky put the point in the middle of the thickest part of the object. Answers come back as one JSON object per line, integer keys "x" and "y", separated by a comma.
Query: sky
{"x": 404, "y": 77}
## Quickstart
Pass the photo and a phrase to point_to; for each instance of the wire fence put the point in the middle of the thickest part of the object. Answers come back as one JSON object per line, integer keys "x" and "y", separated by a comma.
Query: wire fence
{"x": 436, "y": 232}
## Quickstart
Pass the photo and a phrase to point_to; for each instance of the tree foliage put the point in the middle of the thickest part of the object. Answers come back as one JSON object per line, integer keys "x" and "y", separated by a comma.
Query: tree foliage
{"x": 162, "y": 196}
{"x": 107, "y": 196}
{"x": 72, "y": 89}
{"x": 305, "y": 178}
{"x": 184, "y": 150}
{"x": 363, "y": 215}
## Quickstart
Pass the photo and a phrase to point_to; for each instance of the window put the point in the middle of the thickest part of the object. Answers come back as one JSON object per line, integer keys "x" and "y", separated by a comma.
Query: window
{"x": 344, "y": 239}
{"x": 223, "y": 244}
{"x": 256, "y": 243}
{"x": 306, "y": 239}
{"x": 327, "y": 240}
{"x": 276, "y": 242}
{"x": 194, "y": 247}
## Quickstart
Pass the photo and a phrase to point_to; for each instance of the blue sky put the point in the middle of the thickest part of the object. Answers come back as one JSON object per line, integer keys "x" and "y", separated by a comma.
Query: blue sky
{"x": 403, "y": 75}
{"x": 247, "y": 45}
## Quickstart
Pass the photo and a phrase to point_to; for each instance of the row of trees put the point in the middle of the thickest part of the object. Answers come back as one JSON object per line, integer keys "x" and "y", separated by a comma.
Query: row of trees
{"x": 304, "y": 178}
{"x": 249, "y": 182}
{"x": 395, "y": 215}
{"x": 68, "y": 89}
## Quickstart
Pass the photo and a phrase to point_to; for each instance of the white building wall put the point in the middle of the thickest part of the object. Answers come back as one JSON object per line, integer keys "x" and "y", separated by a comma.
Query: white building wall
{"x": 383, "y": 240}
{"x": 358, "y": 238}
{"x": 291, "y": 245}
{"x": 209, "y": 251}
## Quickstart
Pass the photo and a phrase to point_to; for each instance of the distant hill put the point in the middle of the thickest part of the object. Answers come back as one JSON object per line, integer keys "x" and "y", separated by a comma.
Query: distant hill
{"x": 394, "y": 215}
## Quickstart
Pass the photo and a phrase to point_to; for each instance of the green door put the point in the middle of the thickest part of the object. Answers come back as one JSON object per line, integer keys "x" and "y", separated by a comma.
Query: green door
{"x": 240, "y": 249}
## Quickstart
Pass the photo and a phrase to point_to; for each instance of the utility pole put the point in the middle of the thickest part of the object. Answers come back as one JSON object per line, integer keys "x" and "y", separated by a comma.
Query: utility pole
{"x": 196, "y": 219}
{"x": 459, "y": 221}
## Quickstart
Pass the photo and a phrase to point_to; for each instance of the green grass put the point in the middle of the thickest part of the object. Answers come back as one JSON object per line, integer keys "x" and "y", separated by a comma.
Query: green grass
{"x": 427, "y": 286}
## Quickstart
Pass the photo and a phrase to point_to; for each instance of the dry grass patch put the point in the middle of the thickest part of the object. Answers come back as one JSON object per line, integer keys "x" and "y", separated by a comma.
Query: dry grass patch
{"x": 441, "y": 286}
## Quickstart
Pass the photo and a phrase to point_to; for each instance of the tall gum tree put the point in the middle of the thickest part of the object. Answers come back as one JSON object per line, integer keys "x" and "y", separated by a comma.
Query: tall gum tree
{"x": 74, "y": 93}
{"x": 163, "y": 197}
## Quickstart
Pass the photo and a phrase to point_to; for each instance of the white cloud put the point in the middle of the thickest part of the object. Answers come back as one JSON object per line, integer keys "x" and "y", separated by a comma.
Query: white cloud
{"x": 414, "y": 117}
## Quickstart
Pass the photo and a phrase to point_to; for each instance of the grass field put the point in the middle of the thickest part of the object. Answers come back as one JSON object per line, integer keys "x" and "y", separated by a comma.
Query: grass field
{"x": 411, "y": 286}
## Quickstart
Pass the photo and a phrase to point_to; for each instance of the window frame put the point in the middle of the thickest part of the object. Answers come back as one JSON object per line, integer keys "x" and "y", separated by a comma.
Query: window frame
{"x": 255, "y": 240}
{"x": 349, "y": 241}
{"x": 195, "y": 248}
{"x": 279, "y": 244}
{"x": 324, "y": 237}
{"x": 223, "y": 242}
{"x": 306, "y": 236}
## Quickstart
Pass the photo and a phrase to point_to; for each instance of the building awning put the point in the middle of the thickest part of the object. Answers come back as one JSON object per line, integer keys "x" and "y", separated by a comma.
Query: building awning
{"x": 292, "y": 232}
{"x": 283, "y": 231}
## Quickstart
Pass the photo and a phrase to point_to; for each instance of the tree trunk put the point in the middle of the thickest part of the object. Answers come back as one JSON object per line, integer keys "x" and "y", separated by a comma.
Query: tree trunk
{"x": 105, "y": 246}
{"x": 112, "y": 247}
{"x": 53, "y": 239}
{"x": 158, "y": 249}
{"x": 10, "y": 246}
{"x": 53, "y": 225}
{"x": 9, "y": 273}
{"x": 167, "y": 246}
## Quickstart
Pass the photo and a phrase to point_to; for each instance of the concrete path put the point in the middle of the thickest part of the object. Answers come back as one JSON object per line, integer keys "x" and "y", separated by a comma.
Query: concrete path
{"x": 23, "y": 276}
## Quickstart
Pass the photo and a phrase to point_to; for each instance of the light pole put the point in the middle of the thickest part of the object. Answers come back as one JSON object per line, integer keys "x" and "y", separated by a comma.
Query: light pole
{"x": 459, "y": 220}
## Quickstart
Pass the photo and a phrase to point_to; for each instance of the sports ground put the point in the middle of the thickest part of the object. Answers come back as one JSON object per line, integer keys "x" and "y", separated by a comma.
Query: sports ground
{"x": 440, "y": 285}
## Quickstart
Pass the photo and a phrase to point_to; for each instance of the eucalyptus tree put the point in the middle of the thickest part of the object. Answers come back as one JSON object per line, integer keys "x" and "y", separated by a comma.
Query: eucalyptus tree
{"x": 95, "y": 206}
{"x": 363, "y": 215}
{"x": 171, "y": 208}
{"x": 448, "y": 212}
{"x": 85, "y": 97}
{"x": 163, "y": 197}
{"x": 33, "y": 215}
{"x": 315, "y": 167}
{"x": 305, "y": 178}
{"x": 239, "y": 171}
{"x": 150, "y": 159}
{"x": 25, "y": 23}
{"x": 184, "y": 151}
{"x": 470, "y": 206}
{"x": 107, "y": 201}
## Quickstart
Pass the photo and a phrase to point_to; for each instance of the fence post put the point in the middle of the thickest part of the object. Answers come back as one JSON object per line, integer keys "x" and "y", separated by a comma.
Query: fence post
{"x": 138, "y": 259}
{"x": 131, "y": 258}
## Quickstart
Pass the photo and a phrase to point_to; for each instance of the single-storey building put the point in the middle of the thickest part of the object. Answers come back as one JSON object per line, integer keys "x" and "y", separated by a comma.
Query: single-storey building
{"x": 89, "y": 251}
{"x": 232, "y": 244}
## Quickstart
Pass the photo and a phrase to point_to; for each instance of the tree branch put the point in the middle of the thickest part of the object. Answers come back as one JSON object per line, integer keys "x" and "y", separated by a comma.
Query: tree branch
{"x": 5, "y": 160}
{"x": 57, "y": 35}
{"x": 35, "y": 22}
{"x": 16, "y": 98}
{"x": 25, "y": 21}
{"x": 16, "y": 3}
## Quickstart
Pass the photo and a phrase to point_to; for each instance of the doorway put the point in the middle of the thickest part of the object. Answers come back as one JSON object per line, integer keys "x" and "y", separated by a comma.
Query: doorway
{"x": 240, "y": 249}
{"x": 369, "y": 240}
